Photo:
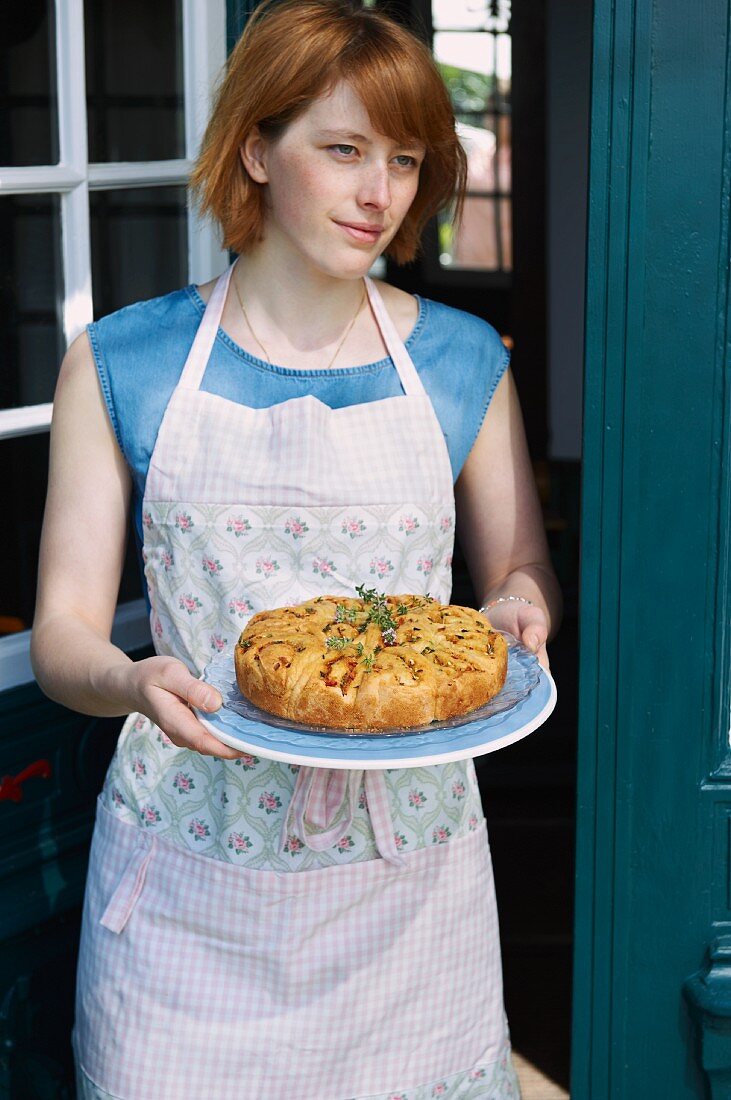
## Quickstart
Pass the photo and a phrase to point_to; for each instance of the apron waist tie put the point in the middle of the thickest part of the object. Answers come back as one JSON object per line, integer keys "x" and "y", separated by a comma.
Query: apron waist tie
{"x": 326, "y": 799}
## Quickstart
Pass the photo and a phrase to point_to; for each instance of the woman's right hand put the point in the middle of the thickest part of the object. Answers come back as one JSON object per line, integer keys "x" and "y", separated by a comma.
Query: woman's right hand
{"x": 164, "y": 690}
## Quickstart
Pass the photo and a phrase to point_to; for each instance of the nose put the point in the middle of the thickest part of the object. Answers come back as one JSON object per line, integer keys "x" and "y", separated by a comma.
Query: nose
{"x": 375, "y": 187}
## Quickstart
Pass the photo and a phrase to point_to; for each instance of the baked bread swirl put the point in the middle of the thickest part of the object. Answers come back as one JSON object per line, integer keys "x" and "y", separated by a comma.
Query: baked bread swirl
{"x": 372, "y": 663}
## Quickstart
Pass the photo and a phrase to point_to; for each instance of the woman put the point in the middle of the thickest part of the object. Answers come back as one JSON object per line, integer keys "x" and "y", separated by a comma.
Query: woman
{"x": 275, "y": 440}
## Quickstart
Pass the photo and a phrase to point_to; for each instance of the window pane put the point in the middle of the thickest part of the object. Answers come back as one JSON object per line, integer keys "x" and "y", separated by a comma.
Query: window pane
{"x": 31, "y": 291}
{"x": 506, "y": 232}
{"x": 477, "y": 53}
{"x": 134, "y": 80}
{"x": 480, "y": 145}
{"x": 24, "y": 498}
{"x": 491, "y": 15}
{"x": 503, "y": 127}
{"x": 476, "y": 65}
{"x": 139, "y": 245}
{"x": 28, "y": 123}
{"x": 486, "y": 139}
{"x": 469, "y": 91}
{"x": 483, "y": 238}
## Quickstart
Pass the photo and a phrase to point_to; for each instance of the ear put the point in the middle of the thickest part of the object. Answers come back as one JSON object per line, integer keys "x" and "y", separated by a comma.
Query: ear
{"x": 253, "y": 150}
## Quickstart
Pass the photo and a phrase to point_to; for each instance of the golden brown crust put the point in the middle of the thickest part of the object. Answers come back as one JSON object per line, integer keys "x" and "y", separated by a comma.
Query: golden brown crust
{"x": 324, "y": 662}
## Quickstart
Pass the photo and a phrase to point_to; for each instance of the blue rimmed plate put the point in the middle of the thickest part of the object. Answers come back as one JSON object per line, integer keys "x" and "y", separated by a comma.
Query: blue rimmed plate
{"x": 524, "y": 704}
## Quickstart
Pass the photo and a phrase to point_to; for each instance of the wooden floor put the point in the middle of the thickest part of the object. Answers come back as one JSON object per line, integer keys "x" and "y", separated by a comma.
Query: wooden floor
{"x": 535, "y": 1085}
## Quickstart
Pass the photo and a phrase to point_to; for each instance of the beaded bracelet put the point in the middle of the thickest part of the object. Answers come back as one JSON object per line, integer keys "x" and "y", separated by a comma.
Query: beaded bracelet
{"x": 504, "y": 599}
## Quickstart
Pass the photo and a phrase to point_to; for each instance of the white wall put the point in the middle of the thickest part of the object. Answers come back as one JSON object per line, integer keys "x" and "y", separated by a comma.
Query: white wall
{"x": 568, "y": 62}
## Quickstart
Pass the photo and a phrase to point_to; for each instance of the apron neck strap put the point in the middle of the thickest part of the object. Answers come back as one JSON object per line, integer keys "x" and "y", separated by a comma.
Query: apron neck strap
{"x": 200, "y": 352}
{"x": 407, "y": 372}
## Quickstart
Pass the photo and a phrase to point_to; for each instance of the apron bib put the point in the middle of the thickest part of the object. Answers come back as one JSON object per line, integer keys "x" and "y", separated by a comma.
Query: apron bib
{"x": 199, "y": 978}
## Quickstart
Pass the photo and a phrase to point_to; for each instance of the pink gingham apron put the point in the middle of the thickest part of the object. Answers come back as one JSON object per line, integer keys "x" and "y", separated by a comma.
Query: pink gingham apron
{"x": 198, "y": 978}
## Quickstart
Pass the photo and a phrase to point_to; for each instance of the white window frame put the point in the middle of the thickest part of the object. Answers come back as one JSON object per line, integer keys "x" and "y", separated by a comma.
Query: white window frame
{"x": 204, "y": 54}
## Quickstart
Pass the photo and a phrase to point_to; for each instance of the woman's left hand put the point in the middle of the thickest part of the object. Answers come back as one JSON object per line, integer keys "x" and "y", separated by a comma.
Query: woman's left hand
{"x": 527, "y": 622}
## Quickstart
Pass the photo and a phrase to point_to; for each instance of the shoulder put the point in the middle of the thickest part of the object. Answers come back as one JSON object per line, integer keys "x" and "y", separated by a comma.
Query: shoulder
{"x": 139, "y": 352}
{"x": 443, "y": 327}
{"x": 448, "y": 326}
{"x": 156, "y": 319}
{"x": 461, "y": 359}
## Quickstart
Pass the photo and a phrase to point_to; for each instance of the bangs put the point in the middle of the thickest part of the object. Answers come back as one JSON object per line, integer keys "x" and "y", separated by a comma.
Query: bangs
{"x": 403, "y": 92}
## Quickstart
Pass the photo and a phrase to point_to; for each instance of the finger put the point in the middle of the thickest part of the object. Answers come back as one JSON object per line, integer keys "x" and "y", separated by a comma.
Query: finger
{"x": 185, "y": 731}
{"x": 176, "y": 678}
{"x": 534, "y": 637}
{"x": 543, "y": 658}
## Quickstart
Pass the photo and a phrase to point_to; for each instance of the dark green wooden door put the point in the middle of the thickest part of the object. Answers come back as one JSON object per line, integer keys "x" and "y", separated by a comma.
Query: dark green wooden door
{"x": 654, "y": 803}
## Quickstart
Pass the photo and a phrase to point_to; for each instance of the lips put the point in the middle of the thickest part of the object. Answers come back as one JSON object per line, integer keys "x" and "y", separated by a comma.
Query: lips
{"x": 362, "y": 231}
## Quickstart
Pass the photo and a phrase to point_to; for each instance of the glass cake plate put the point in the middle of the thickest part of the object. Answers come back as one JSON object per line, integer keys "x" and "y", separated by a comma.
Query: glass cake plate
{"x": 523, "y": 704}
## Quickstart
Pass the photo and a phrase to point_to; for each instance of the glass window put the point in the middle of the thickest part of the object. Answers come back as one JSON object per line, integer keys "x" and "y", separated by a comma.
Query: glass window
{"x": 24, "y": 498}
{"x": 139, "y": 245}
{"x": 483, "y": 15}
{"x": 31, "y": 292}
{"x": 483, "y": 240}
{"x": 134, "y": 80}
{"x": 472, "y": 47}
{"x": 114, "y": 229}
{"x": 28, "y": 123}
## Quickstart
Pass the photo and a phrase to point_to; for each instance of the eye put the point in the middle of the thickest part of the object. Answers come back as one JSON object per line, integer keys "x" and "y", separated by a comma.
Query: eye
{"x": 344, "y": 150}
{"x": 405, "y": 161}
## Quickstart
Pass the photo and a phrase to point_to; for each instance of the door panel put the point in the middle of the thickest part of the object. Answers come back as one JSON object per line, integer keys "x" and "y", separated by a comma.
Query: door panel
{"x": 653, "y": 698}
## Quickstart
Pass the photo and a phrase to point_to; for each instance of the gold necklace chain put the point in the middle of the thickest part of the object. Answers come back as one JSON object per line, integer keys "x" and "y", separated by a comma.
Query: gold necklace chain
{"x": 266, "y": 353}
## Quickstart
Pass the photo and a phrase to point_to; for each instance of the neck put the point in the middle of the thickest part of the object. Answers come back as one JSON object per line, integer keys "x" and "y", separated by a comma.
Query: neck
{"x": 288, "y": 300}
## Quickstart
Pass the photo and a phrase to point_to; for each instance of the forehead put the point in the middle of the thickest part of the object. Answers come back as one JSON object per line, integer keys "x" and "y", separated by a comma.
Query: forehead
{"x": 340, "y": 105}
{"x": 340, "y": 108}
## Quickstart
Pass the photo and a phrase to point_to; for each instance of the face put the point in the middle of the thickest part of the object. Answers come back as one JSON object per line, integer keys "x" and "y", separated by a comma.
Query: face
{"x": 337, "y": 190}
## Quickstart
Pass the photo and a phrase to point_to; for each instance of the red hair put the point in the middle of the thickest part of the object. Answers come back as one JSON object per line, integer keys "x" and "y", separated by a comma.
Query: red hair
{"x": 292, "y": 52}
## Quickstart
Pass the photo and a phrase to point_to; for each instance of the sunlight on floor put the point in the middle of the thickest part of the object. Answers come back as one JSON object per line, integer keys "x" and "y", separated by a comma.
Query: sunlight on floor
{"x": 534, "y": 1085}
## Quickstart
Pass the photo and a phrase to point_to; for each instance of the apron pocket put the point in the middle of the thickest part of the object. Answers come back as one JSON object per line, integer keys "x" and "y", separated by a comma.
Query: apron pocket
{"x": 125, "y": 897}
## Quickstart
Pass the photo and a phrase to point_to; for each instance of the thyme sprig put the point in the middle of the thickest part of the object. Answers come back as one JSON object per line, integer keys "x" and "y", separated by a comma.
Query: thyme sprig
{"x": 343, "y": 643}
{"x": 378, "y": 612}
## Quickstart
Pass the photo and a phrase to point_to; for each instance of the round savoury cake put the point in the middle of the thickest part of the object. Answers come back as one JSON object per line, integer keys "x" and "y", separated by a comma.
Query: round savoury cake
{"x": 372, "y": 663}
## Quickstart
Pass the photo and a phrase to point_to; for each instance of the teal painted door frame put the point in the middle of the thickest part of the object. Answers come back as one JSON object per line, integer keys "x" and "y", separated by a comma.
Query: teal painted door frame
{"x": 654, "y": 795}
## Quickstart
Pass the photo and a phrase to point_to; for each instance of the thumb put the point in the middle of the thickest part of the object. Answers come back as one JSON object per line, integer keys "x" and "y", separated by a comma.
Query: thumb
{"x": 532, "y": 640}
{"x": 205, "y": 697}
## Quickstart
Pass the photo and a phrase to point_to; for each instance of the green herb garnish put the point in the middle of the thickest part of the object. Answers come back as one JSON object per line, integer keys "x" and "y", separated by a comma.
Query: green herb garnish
{"x": 378, "y": 612}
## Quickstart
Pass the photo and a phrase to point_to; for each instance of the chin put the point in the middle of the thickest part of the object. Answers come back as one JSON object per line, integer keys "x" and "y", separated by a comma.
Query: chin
{"x": 350, "y": 266}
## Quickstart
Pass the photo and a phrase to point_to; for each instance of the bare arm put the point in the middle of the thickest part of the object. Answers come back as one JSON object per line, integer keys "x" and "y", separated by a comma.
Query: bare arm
{"x": 501, "y": 528}
{"x": 81, "y": 559}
